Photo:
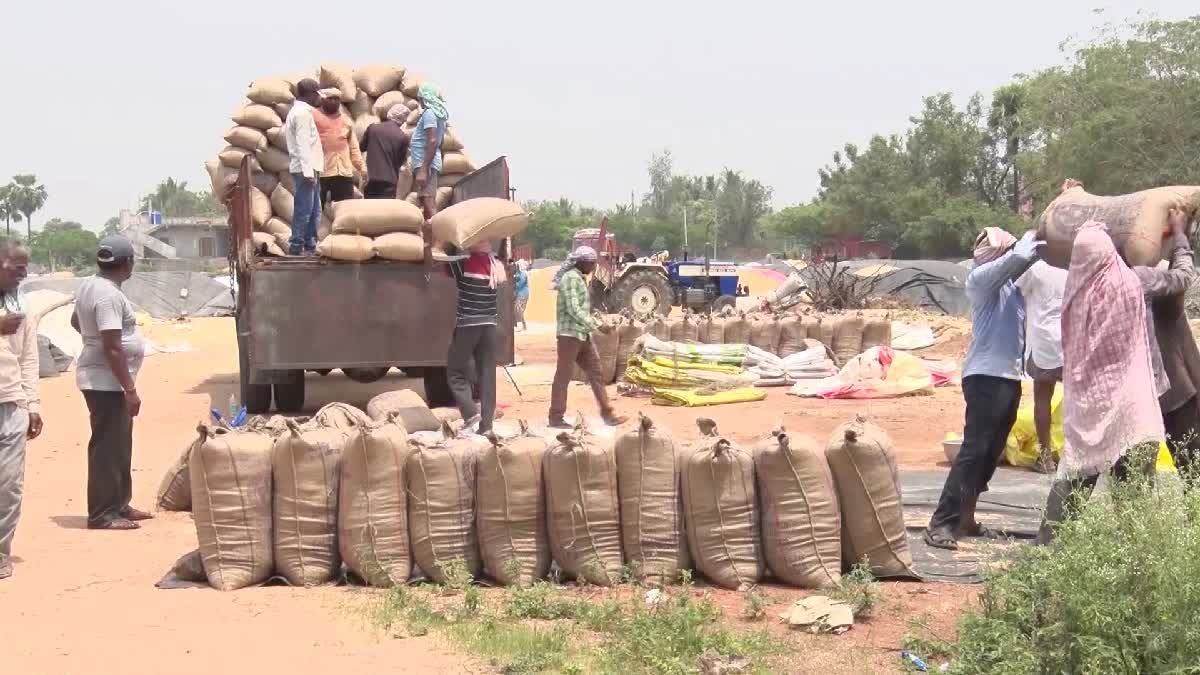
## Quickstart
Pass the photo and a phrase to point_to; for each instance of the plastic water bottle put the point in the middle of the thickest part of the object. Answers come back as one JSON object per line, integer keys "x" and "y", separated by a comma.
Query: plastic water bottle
{"x": 915, "y": 661}
{"x": 233, "y": 407}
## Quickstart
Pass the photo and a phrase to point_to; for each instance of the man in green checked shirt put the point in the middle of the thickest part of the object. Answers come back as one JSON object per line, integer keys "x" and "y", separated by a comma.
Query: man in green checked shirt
{"x": 575, "y": 326}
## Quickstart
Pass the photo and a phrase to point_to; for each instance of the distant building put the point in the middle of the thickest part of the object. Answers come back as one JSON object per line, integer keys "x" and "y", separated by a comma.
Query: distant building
{"x": 184, "y": 238}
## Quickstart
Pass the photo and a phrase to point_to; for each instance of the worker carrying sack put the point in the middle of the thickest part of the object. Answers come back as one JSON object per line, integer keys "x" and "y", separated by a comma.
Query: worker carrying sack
{"x": 231, "y": 503}
{"x": 802, "y": 526}
{"x": 652, "y": 529}
{"x": 721, "y": 511}
{"x": 372, "y": 524}
{"x": 511, "y": 510}
{"x": 481, "y": 219}
{"x": 441, "y": 505}
{"x": 374, "y": 217}
{"x": 304, "y": 467}
{"x": 863, "y": 465}
{"x": 583, "y": 508}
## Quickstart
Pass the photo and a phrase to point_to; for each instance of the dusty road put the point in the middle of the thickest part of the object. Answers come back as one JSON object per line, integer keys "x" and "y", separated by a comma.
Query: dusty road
{"x": 85, "y": 602}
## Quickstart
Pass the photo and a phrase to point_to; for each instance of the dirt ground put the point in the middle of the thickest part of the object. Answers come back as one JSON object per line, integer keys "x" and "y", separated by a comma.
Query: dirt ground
{"x": 84, "y": 602}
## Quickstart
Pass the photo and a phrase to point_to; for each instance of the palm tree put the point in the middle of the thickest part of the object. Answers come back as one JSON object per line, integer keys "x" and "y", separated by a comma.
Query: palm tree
{"x": 1004, "y": 119}
{"x": 28, "y": 196}
{"x": 8, "y": 208}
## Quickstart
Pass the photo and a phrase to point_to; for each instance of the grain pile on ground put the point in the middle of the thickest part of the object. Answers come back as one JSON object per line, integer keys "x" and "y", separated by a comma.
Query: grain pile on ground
{"x": 372, "y": 521}
{"x": 511, "y": 504}
{"x": 652, "y": 531}
{"x": 583, "y": 509}
{"x": 441, "y": 506}
{"x": 304, "y": 469}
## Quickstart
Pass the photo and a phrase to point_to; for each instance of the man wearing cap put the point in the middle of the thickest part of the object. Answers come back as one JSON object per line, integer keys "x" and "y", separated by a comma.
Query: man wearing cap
{"x": 19, "y": 402}
{"x": 343, "y": 160}
{"x": 386, "y": 146}
{"x": 106, "y": 371}
{"x": 307, "y": 160}
{"x": 575, "y": 326}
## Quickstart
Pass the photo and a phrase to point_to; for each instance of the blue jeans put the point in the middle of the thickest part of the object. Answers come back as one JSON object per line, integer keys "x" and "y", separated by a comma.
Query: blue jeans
{"x": 307, "y": 214}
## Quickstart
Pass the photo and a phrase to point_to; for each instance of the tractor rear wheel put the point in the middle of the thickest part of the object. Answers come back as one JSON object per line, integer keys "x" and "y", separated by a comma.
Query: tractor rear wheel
{"x": 644, "y": 292}
{"x": 722, "y": 302}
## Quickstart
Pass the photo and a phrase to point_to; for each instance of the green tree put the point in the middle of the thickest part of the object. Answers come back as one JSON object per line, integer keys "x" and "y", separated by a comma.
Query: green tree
{"x": 63, "y": 244}
{"x": 798, "y": 227}
{"x": 1005, "y": 123}
{"x": 28, "y": 196}
{"x": 173, "y": 198}
{"x": 8, "y": 208}
{"x": 111, "y": 226}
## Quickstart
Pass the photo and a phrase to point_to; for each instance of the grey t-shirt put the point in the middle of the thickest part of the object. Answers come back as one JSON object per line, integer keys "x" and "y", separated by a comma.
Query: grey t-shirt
{"x": 100, "y": 305}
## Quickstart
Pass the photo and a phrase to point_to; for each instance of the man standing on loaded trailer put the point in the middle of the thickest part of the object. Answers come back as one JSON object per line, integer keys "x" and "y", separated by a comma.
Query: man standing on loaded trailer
{"x": 387, "y": 149}
{"x": 307, "y": 161}
{"x": 426, "y": 146}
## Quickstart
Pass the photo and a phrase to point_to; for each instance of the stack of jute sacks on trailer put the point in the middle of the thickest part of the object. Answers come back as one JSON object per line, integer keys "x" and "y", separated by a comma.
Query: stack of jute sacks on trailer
{"x": 352, "y": 230}
{"x": 345, "y": 494}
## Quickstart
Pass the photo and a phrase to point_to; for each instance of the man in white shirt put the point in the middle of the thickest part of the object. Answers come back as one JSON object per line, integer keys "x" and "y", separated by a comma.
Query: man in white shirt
{"x": 20, "y": 418}
{"x": 1042, "y": 286}
{"x": 307, "y": 161}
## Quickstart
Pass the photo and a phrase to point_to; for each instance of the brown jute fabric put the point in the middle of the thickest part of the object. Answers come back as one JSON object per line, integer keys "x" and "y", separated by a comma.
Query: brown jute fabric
{"x": 441, "y": 505}
{"x": 304, "y": 468}
{"x": 372, "y": 505}
{"x": 582, "y": 506}
{"x": 510, "y": 503}
{"x": 652, "y": 529}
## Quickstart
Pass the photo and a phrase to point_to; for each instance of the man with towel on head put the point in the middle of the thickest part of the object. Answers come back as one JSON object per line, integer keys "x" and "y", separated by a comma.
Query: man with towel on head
{"x": 575, "y": 346}
{"x": 991, "y": 380}
{"x": 386, "y": 146}
{"x": 426, "y": 146}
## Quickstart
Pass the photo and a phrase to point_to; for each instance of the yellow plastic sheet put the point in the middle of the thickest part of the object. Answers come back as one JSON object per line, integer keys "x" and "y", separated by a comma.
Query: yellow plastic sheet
{"x": 694, "y": 399}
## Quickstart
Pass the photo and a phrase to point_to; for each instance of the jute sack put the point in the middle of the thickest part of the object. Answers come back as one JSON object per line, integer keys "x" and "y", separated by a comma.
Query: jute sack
{"x": 659, "y": 328}
{"x": 261, "y": 117}
{"x": 283, "y": 110}
{"x": 480, "y": 219}
{"x": 385, "y": 103}
{"x": 376, "y": 79}
{"x": 340, "y": 416}
{"x": 652, "y": 530}
{"x": 362, "y": 123}
{"x": 863, "y": 465}
{"x": 847, "y": 338}
{"x": 582, "y": 507}
{"x": 811, "y": 327}
{"x": 410, "y": 408}
{"x": 441, "y": 505}
{"x": 232, "y": 156}
{"x": 260, "y": 207}
{"x": 246, "y": 138}
{"x": 451, "y": 142}
{"x": 283, "y": 203}
{"x": 628, "y": 333}
{"x": 791, "y": 335}
{"x": 511, "y": 510}
{"x": 876, "y": 333}
{"x": 683, "y": 329}
{"x": 403, "y": 246}
{"x": 372, "y": 506}
{"x": 802, "y": 526}
{"x": 274, "y": 160}
{"x": 764, "y": 333}
{"x": 361, "y": 105}
{"x": 404, "y": 181}
{"x": 340, "y": 76}
{"x": 279, "y": 229}
{"x": 265, "y": 243}
{"x": 456, "y": 162}
{"x": 449, "y": 180}
{"x": 826, "y": 330}
{"x": 737, "y": 330}
{"x": 304, "y": 468}
{"x": 411, "y": 83}
{"x": 349, "y": 247}
{"x": 267, "y": 182}
{"x": 712, "y": 330}
{"x": 175, "y": 488}
{"x": 1136, "y": 222}
{"x": 271, "y": 91}
{"x": 442, "y": 196}
{"x": 221, "y": 177}
{"x": 231, "y": 505}
{"x": 373, "y": 217}
{"x": 608, "y": 342}
{"x": 721, "y": 512}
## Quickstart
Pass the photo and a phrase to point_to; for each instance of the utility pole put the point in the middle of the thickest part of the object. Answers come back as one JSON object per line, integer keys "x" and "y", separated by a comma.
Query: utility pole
{"x": 685, "y": 242}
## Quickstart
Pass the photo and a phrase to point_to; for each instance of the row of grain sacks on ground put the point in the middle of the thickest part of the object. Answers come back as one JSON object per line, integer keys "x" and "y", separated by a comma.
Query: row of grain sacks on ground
{"x": 384, "y": 228}
{"x": 300, "y": 503}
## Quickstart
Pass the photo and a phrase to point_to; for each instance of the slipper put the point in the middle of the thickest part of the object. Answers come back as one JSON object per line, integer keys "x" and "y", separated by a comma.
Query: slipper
{"x": 615, "y": 420}
{"x": 560, "y": 424}
{"x": 941, "y": 538}
{"x": 115, "y": 524}
{"x": 130, "y": 513}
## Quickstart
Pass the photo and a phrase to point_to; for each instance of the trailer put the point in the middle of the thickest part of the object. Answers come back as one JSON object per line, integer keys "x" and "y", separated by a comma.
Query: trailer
{"x": 296, "y": 315}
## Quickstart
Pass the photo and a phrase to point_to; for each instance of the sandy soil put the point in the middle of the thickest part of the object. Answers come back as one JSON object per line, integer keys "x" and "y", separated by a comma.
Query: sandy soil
{"x": 85, "y": 602}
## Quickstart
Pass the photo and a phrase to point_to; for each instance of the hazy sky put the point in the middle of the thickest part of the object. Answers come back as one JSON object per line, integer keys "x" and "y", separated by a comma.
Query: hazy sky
{"x": 104, "y": 99}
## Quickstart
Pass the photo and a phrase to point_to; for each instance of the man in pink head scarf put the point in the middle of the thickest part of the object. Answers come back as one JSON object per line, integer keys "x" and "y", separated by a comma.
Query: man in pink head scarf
{"x": 991, "y": 380}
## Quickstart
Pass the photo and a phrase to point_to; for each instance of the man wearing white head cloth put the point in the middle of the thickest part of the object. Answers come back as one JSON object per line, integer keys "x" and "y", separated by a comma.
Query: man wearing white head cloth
{"x": 386, "y": 146}
{"x": 575, "y": 326}
{"x": 991, "y": 380}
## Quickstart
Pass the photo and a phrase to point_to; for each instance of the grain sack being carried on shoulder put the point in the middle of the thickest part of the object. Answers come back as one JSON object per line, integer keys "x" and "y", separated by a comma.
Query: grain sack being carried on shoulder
{"x": 764, "y": 333}
{"x": 304, "y": 467}
{"x": 175, "y": 489}
{"x": 863, "y": 465}
{"x": 582, "y": 507}
{"x": 441, "y": 505}
{"x": 481, "y": 219}
{"x": 737, "y": 330}
{"x": 652, "y": 529}
{"x": 372, "y": 524}
{"x": 791, "y": 335}
{"x": 659, "y": 328}
{"x": 802, "y": 526}
{"x": 411, "y": 409}
{"x": 720, "y": 505}
{"x": 712, "y": 330}
{"x": 607, "y": 341}
{"x": 684, "y": 329}
{"x": 877, "y": 333}
{"x": 511, "y": 507}
{"x": 847, "y": 338}
{"x": 348, "y": 247}
{"x": 231, "y": 503}
{"x": 373, "y": 217}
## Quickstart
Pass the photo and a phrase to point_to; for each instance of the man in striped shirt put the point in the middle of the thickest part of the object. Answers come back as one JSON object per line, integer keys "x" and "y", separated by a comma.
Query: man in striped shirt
{"x": 477, "y": 276}
{"x": 575, "y": 326}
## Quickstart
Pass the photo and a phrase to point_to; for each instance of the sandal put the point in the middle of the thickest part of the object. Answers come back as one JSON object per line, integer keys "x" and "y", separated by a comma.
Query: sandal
{"x": 615, "y": 420}
{"x": 115, "y": 524}
{"x": 941, "y": 538}
{"x": 130, "y": 513}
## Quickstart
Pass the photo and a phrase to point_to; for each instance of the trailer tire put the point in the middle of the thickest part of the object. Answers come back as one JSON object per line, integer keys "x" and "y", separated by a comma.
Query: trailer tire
{"x": 365, "y": 375}
{"x": 437, "y": 389}
{"x": 722, "y": 302}
{"x": 255, "y": 397}
{"x": 289, "y": 398}
{"x": 644, "y": 292}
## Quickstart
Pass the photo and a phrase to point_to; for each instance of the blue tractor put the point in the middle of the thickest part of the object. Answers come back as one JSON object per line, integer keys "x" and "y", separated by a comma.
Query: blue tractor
{"x": 655, "y": 284}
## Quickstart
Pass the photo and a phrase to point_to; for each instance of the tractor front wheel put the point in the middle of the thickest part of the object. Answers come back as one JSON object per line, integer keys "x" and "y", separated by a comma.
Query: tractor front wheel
{"x": 644, "y": 292}
{"x": 722, "y": 302}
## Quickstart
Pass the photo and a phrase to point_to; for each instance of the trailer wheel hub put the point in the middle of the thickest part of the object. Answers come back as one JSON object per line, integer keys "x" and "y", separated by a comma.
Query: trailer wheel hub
{"x": 644, "y": 300}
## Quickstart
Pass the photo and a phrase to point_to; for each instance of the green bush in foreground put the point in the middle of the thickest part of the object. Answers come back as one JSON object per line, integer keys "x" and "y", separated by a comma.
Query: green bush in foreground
{"x": 1118, "y": 592}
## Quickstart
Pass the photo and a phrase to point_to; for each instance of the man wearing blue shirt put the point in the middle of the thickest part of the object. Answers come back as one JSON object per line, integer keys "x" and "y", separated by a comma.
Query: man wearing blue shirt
{"x": 425, "y": 149}
{"x": 991, "y": 380}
